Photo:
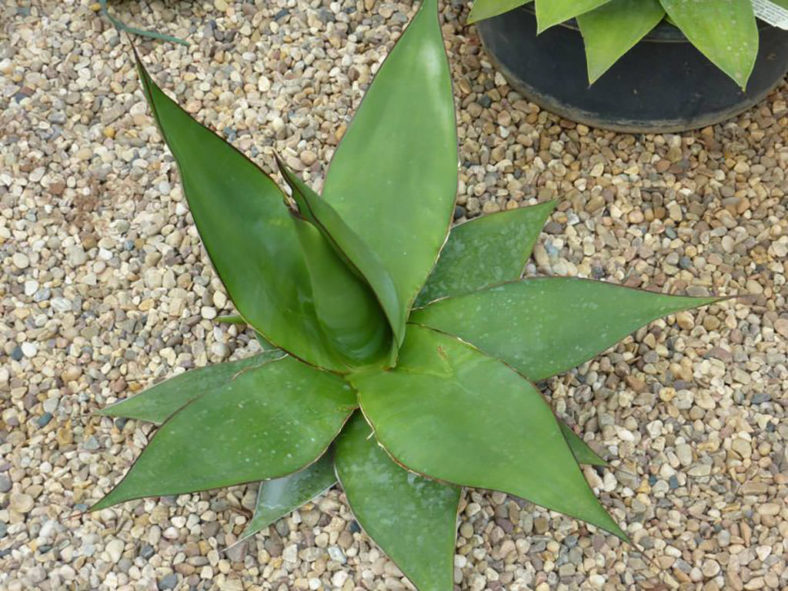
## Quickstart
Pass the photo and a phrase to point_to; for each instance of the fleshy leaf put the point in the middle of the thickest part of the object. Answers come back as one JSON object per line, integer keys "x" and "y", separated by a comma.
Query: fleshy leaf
{"x": 613, "y": 29}
{"x": 348, "y": 246}
{"x": 412, "y": 518}
{"x": 452, "y": 413}
{"x": 553, "y": 12}
{"x": 548, "y": 325}
{"x": 247, "y": 231}
{"x": 483, "y": 9}
{"x": 268, "y": 422}
{"x": 485, "y": 251}
{"x": 393, "y": 178}
{"x": 345, "y": 306}
{"x": 580, "y": 449}
{"x": 725, "y": 32}
{"x": 160, "y": 401}
{"x": 281, "y": 496}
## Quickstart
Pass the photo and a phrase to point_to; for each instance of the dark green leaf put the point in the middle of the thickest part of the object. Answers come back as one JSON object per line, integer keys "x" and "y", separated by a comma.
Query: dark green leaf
{"x": 160, "y": 401}
{"x": 348, "y": 246}
{"x": 281, "y": 496}
{"x": 394, "y": 175}
{"x": 268, "y": 422}
{"x": 485, "y": 251}
{"x": 247, "y": 231}
{"x": 483, "y": 9}
{"x": 412, "y": 518}
{"x": 553, "y": 12}
{"x": 725, "y": 32}
{"x": 613, "y": 29}
{"x": 452, "y": 413}
{"x": 548, "y": 325}
{"x": 580, "y": 449}
{"x": 345, "y": 306}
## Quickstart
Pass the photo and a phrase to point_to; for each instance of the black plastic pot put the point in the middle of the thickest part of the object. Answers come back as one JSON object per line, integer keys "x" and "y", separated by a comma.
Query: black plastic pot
{"x": 662, "y": 84}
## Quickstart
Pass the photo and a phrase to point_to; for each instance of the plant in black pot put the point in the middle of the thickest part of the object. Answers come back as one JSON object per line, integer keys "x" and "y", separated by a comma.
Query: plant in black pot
{"x": 638, "y": 65}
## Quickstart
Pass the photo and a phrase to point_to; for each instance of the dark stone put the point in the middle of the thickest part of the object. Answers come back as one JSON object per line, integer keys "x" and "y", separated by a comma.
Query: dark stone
{"x": 760, "y": 398}
{"x": 485, "y": 101}
{"x": 673, "y": 482}
{"x": 17, "y": 354}
{"x": 147, "y": 551}
{"x": 354, "y": 527}
{"x": 168, "y": 581}
{"x": 44, "y": 419}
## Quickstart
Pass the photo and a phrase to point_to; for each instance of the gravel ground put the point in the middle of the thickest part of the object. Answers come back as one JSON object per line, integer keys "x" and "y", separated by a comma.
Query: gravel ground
{"x": 105, "y": 289}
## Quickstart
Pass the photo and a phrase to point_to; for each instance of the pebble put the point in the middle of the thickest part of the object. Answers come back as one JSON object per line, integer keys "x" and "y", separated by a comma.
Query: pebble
{"x": 20, "y": 503}
{"x": 107, "y": 290}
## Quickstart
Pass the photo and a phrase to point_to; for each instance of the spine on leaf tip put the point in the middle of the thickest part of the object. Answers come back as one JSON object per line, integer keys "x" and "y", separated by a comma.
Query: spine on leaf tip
{"x": 346, "y": 308}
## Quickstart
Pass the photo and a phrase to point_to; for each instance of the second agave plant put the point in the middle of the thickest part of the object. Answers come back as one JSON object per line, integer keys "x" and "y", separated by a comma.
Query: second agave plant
{"x": 401, "y": 356}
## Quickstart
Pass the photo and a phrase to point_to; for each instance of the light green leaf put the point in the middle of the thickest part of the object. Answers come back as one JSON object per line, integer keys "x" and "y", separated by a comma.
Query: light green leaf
{"x": 412, "y": 518}
{"x": 548, "y": 325}
{"x": 553, "y": 12}
{"x": 483, "y": 9}
{"x": 247, "y": 231}
{"x": 580, "y": 449}
{"x": 160, "y": 401}
{"x": 268, "y": 422}
{"x": 614, "y": 28}
{"x": 281, "y": 496}
{"x": 230, "y": 319}
{"x": 454, "y": 414}
{"x": 348, "y": 246}
{"x": 394, "y": 175}
{"x": 345, "y": 306}
{"x": 723, "y": 31}
{"x": 485, "y": 251}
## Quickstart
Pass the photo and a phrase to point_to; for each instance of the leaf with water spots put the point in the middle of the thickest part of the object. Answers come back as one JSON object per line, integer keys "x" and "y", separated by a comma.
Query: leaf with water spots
{"x": 281, "y": 496}
{"x": 160, "y": 401}
{"x": 612, "y": 29}
{"x": 485, "y": 251}
{"x": 452, "y": 413}
{"x": 266, "y": 423}
{"x": 723, "y": 31}
{"x": 412, "y": 518}
{"x": 548, "y": 325}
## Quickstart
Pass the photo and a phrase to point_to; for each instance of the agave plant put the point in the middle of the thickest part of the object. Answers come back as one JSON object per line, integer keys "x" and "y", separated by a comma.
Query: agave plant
{"x": 401, "y": 356}
{"x": 724, "y": 31}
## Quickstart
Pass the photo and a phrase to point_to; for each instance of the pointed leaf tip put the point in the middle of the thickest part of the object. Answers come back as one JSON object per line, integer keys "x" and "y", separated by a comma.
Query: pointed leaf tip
{"x": 413, "y": 519}
{"x": 248, "y": 431}
{"x": 404, "y": 124}
{"x": 435, "y": 414}
{"x": 582, "y": 318}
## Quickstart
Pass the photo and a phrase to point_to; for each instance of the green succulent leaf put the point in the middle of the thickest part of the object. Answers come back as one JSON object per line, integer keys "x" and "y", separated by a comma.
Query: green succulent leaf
{"x": 412, "y": 518}
{"x": 725, "y": 32}
{"x": 552, "y": 12}
{"x": 345, "y": 306}
{"x": 454, "y": 414}
{"x": 613, "y": 29}
{"x": 162, "y": 400}
{"x": 393, "y": 176}
{"x": 348, "y": 246}
{"x": 580, "y": 449}
{"x": 266, "y": 423}
{"x": 544, "y": 326}
{"x": 483, "y": 9}
{"x": 281, "y": 496}
{"x": 248, "y": 232}
{"x": 485, "y": 251}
